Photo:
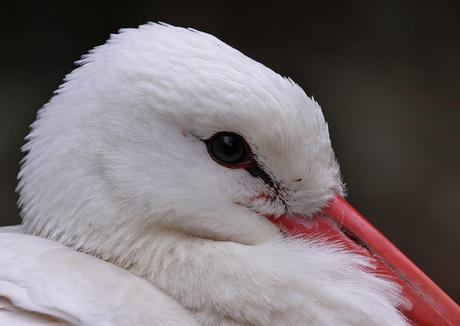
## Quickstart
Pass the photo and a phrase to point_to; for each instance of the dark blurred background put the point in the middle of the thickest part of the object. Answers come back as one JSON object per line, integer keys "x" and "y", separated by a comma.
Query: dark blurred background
{"x": 387, "y": 74}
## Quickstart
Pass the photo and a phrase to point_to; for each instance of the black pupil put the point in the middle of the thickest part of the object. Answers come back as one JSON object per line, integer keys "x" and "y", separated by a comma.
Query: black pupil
{"x": 228, "y": 148}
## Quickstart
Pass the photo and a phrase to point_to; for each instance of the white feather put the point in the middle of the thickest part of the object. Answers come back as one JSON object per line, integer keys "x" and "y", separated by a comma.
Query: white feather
{"x": 46, "y": 283}
{"x": 117, "y": 168}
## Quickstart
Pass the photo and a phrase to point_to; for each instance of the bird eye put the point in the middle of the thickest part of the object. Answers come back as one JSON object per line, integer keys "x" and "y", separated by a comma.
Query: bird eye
{"x": 232, "y": 151}
{"x": 229, "y": 149}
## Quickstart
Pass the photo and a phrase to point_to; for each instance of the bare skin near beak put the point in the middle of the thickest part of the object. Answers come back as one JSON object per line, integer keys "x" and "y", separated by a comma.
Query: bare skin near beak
{"x": 344, "y": 225}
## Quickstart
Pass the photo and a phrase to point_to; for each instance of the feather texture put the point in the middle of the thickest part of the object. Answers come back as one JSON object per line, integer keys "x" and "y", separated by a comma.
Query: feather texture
{"x": 157, "y": 232}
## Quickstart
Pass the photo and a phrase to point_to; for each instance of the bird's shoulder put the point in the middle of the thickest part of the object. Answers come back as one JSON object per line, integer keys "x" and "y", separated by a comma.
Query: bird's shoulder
{"x": 43, "y": 282}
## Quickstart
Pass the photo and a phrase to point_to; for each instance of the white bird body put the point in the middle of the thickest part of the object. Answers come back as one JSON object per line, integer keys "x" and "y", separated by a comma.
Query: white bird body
{"x": 118, "y": 168}
{"x": 45, "y": 283}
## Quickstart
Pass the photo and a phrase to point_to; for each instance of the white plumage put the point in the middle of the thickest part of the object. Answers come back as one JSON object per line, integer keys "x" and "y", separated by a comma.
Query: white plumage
{"x": 118, "y": 168}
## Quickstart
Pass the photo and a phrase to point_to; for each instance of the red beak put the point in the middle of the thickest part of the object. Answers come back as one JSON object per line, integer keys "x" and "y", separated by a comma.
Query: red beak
{"x": 342, "y": 223}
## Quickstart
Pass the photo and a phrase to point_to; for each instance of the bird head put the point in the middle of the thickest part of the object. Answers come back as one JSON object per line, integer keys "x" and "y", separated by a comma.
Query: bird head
{"x": 169, "y": 126}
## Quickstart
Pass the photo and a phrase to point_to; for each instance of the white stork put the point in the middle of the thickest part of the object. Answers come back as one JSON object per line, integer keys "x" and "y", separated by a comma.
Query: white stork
{"x": 172, "y": 180}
